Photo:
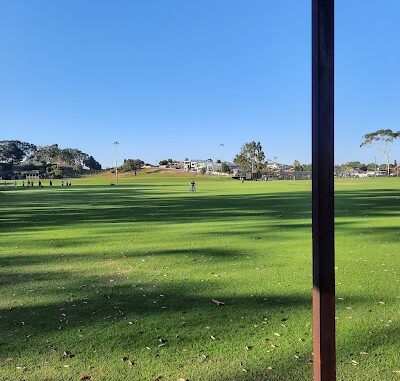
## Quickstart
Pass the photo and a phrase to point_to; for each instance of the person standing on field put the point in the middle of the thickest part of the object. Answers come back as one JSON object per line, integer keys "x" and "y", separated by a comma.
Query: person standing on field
{"x": 193, "y": 186}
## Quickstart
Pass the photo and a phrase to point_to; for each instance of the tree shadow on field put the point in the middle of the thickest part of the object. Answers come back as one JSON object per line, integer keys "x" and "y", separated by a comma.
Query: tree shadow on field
{"x": 87, "y": 258}
{"x": 93, "y": 304}
{"x": 94, "y": 314}
{"x": 142, "y": 204}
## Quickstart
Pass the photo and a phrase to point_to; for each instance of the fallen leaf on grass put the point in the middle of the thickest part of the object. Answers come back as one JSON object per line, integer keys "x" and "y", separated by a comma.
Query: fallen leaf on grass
{"x": 218, "y": 302}
{"x": 68, "y": 354}
{"x": 354, "y": 362}
{"x": 86, "y": 377}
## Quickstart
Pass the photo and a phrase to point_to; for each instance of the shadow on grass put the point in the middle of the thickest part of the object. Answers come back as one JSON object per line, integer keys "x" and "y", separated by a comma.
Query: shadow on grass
{"x": 18, "y": 261}
{"x": 130, "y": 317}
{"x": 92, "y": 205}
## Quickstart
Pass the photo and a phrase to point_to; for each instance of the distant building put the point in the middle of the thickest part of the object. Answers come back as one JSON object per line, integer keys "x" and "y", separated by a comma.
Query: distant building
{"x": 32, "y": 175}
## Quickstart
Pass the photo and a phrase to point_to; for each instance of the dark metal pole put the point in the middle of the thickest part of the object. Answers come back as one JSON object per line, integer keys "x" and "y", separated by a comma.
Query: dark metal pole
{"x": 323, "y": 190}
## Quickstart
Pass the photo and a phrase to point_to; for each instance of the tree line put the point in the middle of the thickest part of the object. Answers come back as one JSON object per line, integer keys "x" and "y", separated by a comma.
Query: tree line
{"x": 252, "y": 157}
{"x": 53, "y": 160}
{"x": 15, "y": 152}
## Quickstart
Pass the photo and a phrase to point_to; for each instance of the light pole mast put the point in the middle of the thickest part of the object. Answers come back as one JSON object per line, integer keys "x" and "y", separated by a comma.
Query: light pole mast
{"x": 222, "y": 152}
{"x": 116, "y": 144}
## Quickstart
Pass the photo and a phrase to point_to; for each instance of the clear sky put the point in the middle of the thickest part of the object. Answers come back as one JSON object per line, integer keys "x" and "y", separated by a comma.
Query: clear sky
{"x": 174, "y": 78}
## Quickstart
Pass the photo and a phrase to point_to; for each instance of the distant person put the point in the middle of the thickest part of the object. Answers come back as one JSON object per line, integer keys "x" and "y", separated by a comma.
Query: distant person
{"x": 23, "y": 183}
{"x": 29, "y": 183}
{"x": 15, "y": 183}
{"x": 32, "y": 184}
{"x": 62, "y": 183}
{"x": 193, "y": 186}
{"x": 51, "y": 183}
{"x": 242, "y": 179}
{"x": 40, "y": 184}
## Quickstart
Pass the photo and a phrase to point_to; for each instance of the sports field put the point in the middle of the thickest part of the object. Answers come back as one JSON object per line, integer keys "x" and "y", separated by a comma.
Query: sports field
{"x": 103, "y": 282}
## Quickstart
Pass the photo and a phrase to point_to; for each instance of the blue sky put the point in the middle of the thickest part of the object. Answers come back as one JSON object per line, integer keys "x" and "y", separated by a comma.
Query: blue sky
{"x": 174, "y": 78}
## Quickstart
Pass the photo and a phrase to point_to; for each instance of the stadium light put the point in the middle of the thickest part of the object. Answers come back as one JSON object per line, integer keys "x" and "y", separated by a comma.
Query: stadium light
{"x": 116, "y": 144}
{"x": 222, "y": 152}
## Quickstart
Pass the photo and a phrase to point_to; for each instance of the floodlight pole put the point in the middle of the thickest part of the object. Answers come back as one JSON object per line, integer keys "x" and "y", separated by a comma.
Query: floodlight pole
{"x": 222, "y": 152}
{"x": 116, "y": 144}
{"x": 324, "y": 345}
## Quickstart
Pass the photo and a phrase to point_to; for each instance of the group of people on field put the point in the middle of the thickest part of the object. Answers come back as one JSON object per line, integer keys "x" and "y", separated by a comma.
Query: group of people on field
{"x": 31, "y": 183}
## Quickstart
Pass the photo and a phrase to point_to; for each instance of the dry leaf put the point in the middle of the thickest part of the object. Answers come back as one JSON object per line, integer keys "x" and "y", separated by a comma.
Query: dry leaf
{"x": 218, "y": 302}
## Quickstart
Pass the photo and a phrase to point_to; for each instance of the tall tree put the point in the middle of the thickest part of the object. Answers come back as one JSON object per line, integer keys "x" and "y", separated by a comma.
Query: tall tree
{"x": 48, "y": 154}
{"x": 14, "y": 151}
{"x": 251, "y": 157}
{"x": 132, "y": 165}
{"x": 91, "y": 163}
{"x": 297, "y": 166}
{"x": 382, "y": 140}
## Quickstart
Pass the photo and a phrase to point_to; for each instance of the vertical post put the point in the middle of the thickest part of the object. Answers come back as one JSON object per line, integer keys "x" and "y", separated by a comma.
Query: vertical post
{"x": 323, "y": 190}
{"x": 222, "y": 154}
{"x": 116, "y": 161}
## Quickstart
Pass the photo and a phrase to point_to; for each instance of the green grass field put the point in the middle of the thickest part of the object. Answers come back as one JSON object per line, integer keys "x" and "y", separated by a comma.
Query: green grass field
{"x": 116, "y": 283}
